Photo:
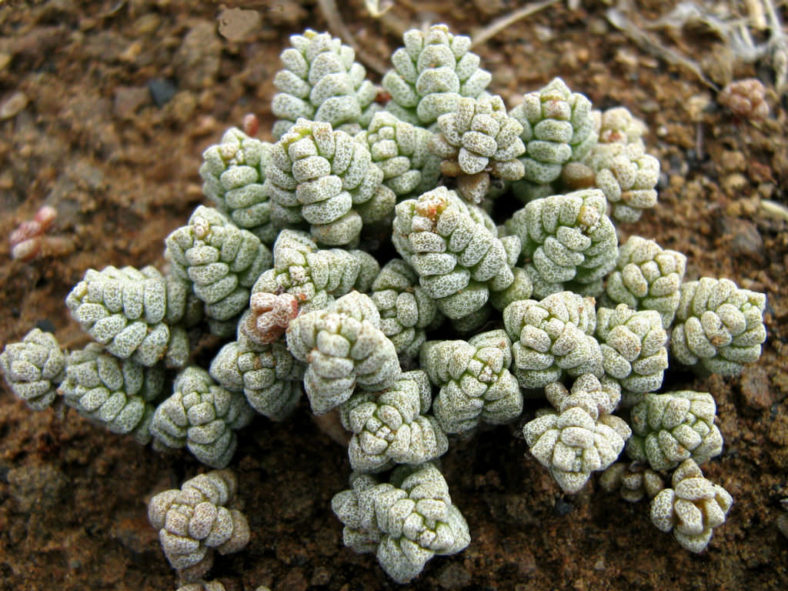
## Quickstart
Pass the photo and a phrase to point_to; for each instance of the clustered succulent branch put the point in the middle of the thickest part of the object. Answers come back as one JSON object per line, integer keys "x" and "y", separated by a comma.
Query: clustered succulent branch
{"x": 218, "y": 260}
{"x": 431, "y": 73}
{"x": 401, "y": 151}
{"x": 553, "y": 338}
{"x": 633, "y": 346}
{"x": 321, "y": 81}
{"x": 406, "y": 522}
{"x": 619, "y": 165}
{"x": 268, "y": 375}
{"x": 478, "y": 140}
{"x": 474, "y": 380}
{"x": 117, "y": 393}
{"x": 391, "y": 427}
{"x": 406, "y": 309}
{"x": 197, "y": 520}
{"x": 719, "y": 326}
{"x": 647, "y": 277}
{"x": 558, "y": 128}
{"x": 479, "y": 316}
{"x": 455, "y": 250}
{"x": 135, "y": 314}
{"x": 673, "y": 427}
{"x": 234, "y": 180}
{"x": 315, "y": 276}
{"x": 567, "y": 241}
{"x": 202, "y": 416}
{"x": 324, "y": 178}
{"x": 343, "y": 348}
{"x": 692, "y": 508}
{"x": 34, "y": 368}
{"x": 634, "y": 481}
{"x": 579, "y": 435}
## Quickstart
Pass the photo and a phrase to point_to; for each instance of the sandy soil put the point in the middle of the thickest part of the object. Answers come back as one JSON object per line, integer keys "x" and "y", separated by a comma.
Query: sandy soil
{"x": 81, "y": 131}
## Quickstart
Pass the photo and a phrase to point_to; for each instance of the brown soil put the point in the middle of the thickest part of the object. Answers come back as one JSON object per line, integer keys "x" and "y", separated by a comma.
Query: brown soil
{"x": 122, "y": 173}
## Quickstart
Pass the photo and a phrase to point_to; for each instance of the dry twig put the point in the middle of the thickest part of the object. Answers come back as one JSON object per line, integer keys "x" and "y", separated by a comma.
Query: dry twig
{"x": 339, "y": 28}
{"x": 619, "y": 19}
{"x": 774, "y": 209}
{"x": 486, "y": 33}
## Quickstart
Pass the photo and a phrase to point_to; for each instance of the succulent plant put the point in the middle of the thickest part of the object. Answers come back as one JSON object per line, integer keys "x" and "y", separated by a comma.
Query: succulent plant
{"x": 334, "y": 312}
{"x": 34, "y": 368}
{"x": 719, "y": 327}
{"x": 198, "y": 519}
{"x": 321, "y": 81}
{"x": 133, "y": 313}
{"x": 406, "y": 522}
{"x": 343, "y": 348}
{"x": 634, "y": 481}
{"x": 117, "y": 393}
{"x": 431, "y": 73}
{"x": 474, "y": 380}
{"x": 746, "y": 99}
{"x": 202, "y": 416}
{"x": 628, "y": 179}
{"x": 672, "y": 427}
{"x": 233, "y": 174}
{"x": 692, "y": 508}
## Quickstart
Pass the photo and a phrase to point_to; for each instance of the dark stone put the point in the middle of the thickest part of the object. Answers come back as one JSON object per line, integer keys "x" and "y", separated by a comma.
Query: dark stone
{"x": 46, "y": 325}
{"x": 562, "y": 507}
{"x": 161, "y": 91}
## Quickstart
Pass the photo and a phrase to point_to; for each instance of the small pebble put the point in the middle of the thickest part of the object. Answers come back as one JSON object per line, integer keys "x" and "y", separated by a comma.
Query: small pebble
{"x": 741, "y": 237}
{"x": 755, "y": 388}
{"x": 128, "y": 99}
{"x": 198, "y": 58}
{"x": 13, "y": 105}
{"x": 146, "y": 24}
{"x": 236, "y": 24}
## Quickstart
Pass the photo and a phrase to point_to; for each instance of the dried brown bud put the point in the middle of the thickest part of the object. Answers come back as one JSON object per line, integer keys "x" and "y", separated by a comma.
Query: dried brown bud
{"x": 251, "y": 124}
{"x": 45, "y": 217}
{"x": 26, "y": 250}
{"x": 26, "y": 239}
{"x": 746, "y": 99}
{"x": 270, "y": 316}
{"x": 577, "y": 175}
